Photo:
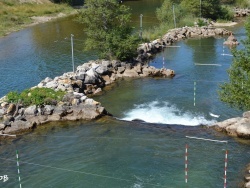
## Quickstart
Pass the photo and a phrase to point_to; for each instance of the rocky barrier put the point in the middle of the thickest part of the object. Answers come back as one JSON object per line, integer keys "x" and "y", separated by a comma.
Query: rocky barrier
{"x": 147, "y": 50}
{"x": 240, "y": 12}
{"x": 238, "y": 127}
{"x": 89, "y": 79}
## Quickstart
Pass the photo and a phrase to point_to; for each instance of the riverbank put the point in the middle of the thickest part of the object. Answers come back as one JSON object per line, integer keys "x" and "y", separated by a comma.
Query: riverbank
{"x": 18, "y": 15}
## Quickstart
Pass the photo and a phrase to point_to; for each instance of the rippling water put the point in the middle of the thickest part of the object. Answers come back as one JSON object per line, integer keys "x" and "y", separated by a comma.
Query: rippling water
{"x": 118, "y": 152}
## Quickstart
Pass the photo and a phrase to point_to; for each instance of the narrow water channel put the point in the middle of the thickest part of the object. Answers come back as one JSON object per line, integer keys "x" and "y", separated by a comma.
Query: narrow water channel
{"x": 117, "y": 152}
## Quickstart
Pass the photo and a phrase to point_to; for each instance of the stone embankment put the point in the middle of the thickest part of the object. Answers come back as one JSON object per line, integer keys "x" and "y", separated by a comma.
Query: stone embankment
{"x": 240, "y": 12}
{"x": 146, "y": 50}
{"x": 238, "y": 127}
{"x": 89, "y": 79}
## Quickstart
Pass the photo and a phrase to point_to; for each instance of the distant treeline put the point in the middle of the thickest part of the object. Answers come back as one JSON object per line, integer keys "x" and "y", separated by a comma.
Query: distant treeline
{"x": 70, "y": 2}
{"x": 73, "y": 2}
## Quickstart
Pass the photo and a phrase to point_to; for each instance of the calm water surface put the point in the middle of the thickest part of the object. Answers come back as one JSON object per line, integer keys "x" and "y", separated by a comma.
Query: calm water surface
{"x": 117, "y": 152}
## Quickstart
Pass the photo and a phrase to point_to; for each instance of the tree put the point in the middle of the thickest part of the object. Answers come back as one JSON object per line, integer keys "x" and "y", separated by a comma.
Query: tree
{"x": 108, "y": 30}
{"x": 207, "y": 8}
{"x": 165, "y": 12}
{"x": 237, "y": 91}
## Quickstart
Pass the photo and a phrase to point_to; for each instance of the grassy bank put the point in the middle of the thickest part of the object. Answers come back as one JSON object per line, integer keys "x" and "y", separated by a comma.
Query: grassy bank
{"x": 15, "y": 16}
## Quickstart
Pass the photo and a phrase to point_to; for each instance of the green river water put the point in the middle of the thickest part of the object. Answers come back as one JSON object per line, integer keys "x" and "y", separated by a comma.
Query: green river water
{"x": 115, "y": 152}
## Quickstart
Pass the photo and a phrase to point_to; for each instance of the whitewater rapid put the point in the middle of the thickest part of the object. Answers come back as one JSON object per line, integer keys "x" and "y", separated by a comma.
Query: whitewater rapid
{"x": 165, "y": 113}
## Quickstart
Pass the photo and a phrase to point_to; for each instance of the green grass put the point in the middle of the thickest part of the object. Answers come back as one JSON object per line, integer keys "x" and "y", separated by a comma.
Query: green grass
{"x": 36, "y": 96}
{"x": 15, "y": 16}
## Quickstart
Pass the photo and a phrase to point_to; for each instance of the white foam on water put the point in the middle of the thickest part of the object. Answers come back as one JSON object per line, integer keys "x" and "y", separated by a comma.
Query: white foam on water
{"x": 137, "y": 185}
{"x": 163, "y": 112}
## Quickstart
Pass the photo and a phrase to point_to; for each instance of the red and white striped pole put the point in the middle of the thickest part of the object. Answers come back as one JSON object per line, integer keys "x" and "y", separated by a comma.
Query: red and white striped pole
{"x": 225, "y": 170}
{"x": 186, "y": 164}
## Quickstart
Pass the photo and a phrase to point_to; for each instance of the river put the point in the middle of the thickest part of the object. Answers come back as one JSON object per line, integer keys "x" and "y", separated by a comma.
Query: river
{"x": 118, "y": 152}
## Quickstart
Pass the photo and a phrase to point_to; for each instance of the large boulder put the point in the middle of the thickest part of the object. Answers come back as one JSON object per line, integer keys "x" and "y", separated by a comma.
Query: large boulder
{"x": 91, "y": 77}
{"x": 19, "y": 126}
{"x": 102, "y": 70}
{"x": 243, "y": 130}
{"x": 239, "y": 126}
{"x": 130, "y": 73}
{"x": 31, "y": 110}
{"x": 231, "y": 40}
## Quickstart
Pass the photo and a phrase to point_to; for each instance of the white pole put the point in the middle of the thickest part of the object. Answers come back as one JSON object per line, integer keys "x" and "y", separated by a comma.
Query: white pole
{"x": 163, "y": 63}
{"x": 18, "y": 170}
{"x": 72, "y": 50}
{"x": 225, "y": 171}
{"x": 194, "y": 92}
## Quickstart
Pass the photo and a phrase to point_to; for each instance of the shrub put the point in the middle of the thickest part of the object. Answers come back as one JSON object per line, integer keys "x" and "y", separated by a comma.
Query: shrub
{"x": 36, "y": 96}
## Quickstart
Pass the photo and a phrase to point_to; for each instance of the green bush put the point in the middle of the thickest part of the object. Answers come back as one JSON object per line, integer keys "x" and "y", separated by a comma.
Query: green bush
{"x": 36, "y": 96}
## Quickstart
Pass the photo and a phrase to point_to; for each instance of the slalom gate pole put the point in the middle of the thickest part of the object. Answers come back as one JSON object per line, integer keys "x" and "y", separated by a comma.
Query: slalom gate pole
{"x": 18, "y": 170}
{"x": 186, "y": 164}
{"x": 194, "y": 92}
{"x": 225, "y": 170}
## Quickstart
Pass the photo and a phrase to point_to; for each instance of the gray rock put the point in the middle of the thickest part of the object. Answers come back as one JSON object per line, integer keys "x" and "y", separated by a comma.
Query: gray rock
{"x": 81, "y": 76}
{"x": 61, "y": 87}
{"x": 116, "y": 64}
{"x": 18, "y": 126}
{"x": 51, "y": 84}
{"x": 243, "y": 130}
{"x": 2, "y": 126}
{"x": 7, "y": 120}
{"x": 21, "y": 111}
{"x": 167, "y": 73}
{"x": 98, "y": 90}
{"x": 48, "y": 109}
{"x": 20, "y": 117}
{"x": 91, "y": 77}
{"x": 31, "y": 110}
{"x": 60, "y": 111}
{"x": 91, "y": 102}
{"x": 246, "y": 114}
{"x": 2, "y": 112}
{"x": 40, "y": 85}
{"x": 83, "y": 98}
{"x": 107, "y": 63}
{"x": 78, "y": 95}
{"x": 121, "y": 70}
{"x": 47, "y": 79}
{"x": 102, "y": 70}
{"x": 130, "y": 73}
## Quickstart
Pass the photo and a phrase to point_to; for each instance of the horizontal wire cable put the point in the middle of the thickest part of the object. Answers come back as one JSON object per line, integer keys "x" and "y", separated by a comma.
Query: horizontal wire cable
{"x": 80, "y": 172}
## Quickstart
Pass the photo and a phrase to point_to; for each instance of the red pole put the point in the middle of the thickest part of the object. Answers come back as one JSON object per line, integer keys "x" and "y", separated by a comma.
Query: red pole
{"x": 225, "y": 170}
{"x": 186, "y": 164}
